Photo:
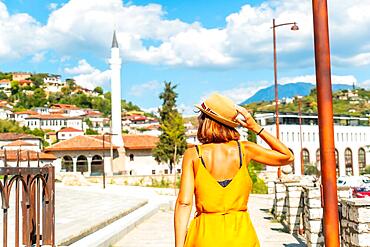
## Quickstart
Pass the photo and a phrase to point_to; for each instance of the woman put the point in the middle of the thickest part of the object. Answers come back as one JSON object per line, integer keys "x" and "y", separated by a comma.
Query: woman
{"x": 216, "y": 172}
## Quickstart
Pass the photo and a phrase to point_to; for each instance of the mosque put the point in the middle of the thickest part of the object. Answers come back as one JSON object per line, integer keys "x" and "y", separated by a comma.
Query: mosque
{"x": 112, "y": 152}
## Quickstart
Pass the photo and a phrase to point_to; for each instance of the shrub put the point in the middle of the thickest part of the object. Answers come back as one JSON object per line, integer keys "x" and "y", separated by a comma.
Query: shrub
{"x": 259, "y": 187}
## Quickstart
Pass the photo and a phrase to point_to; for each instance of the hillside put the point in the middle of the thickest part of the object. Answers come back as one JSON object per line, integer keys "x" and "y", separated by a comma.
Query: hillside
{"x": 288, "y": 91}
{"x": 348, "y": 102}
{"x": 35, "y": 94}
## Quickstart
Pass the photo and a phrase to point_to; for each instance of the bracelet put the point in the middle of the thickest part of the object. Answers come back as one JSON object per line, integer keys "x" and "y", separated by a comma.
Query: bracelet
{"x": 260, "y": 131}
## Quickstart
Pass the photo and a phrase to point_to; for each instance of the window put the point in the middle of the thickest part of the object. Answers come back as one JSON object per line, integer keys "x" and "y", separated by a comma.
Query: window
{"x": 308, "y": 137}
{"x": 317, "y": 156}
{"x": 153, "y": 172}
{"x": 351, "y": 137}
{"x": 313, "y": 136}
{"x": 337, "y": 137}
{"x": 306, "y": 156}
{"x": 303, "y": 137}
{"x": 131, "y": 157}
{"x": 361, "y": 159}
{"x": 342, "y": 138}
{"x": 355, "y": 137}
{"x": 337, "y": 161}
{"x": 292, "y": 136}
{"x": 282, "y": 136}
{"x": 346, "y": 137}
{"x": 348, "y": 161}
{"x": 287, "y": 136}
{"x": 178, "y": 170}
{"x": 165, "y": 171}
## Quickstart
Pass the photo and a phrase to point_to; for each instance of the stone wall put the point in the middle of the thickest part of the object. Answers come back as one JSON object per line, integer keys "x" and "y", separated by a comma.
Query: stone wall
{"x": 312, "y": 215}
{"x": 355, "y": 222}
{"x": 299, "y": 208}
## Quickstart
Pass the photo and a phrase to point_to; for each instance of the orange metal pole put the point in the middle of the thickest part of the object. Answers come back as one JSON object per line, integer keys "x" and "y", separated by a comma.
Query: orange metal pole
{"x": 326, "y": 131}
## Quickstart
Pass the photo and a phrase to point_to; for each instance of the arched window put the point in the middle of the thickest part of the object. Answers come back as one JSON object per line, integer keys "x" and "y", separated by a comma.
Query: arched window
{"x": 131, "y": 157}
{"x": 318, "y": 157}
{"x": 292, "y": 164}
{"x": 82, "y": 164}
{"x": 67, "y": 164}
{"x": 348, "y": 161}
{"x": 306, "y": 156}
{"x": 97, "y": 165}
{"x": 361, "y": 159}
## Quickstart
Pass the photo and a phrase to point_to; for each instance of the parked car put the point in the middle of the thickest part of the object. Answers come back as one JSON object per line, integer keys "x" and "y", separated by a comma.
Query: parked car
{"x": 361, "y": 192}
{"x": 353, "y": 181}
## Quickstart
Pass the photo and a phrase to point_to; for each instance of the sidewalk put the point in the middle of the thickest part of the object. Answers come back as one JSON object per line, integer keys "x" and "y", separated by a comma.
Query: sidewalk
{"x": 157, "y": 231}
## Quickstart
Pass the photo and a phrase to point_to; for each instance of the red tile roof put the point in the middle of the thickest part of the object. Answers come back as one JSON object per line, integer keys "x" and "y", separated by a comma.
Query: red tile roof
{"x": 64, "y": 106}
{"x": 70, "y": 129}
{"x": 52, "y": 116}
{"x": 11, "y": 155}
{"x": 26, "y": 112}
{"x": 135, "y": 142}
{"x": 95, "y": 142}
{"x": 82, "y": 142}
{"x": 4, "y": 81}
{"x": 19, "y": 143}
{"x": 16, "y": 136}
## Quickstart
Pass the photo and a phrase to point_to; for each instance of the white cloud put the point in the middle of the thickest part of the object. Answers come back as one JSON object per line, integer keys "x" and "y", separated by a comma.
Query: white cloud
{"x": 52, "y": 6}
{"x": 364, "y": 84}
{"x": 335, "y": 79}
{"x": 87, "y": 76}
{"x": 244, "y": 40}
{"x": 83, "y": 67}
{"x": 38, "y": 57}
{"x": 144, "y": 88}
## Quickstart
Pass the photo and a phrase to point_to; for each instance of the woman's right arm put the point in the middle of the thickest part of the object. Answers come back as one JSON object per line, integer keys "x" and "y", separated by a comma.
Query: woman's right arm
{"x": 278, "y": 155}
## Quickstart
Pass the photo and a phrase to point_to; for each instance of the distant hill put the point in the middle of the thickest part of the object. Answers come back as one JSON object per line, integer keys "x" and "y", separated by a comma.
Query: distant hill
{"x": 288, "y": 91}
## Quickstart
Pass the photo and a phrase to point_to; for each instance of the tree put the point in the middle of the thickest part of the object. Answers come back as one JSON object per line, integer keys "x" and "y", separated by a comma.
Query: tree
{"x": 98, "y": 90}
{"x": 172, "y": 141}
{"x": 3, "y": 96}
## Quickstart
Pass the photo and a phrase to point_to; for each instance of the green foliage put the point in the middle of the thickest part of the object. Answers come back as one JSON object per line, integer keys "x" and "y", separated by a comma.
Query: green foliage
{"x": 91, "y": 132}
{"x": 259, "y": 187}
{"x": 3, "y": 96}
{"x": 10, "y": 126}
{"x": 98, "y": 90}
{"x": 172, "y": 141}
{"x": 7, "y": 76}
{"x": 311, "y": 170}
{"x": 38, "y": 79}
{"x": 366, "y": 171}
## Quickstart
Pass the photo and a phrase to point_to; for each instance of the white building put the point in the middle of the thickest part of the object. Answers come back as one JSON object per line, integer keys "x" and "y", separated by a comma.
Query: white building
{"x": 68, "y": 133}
{"x": 88, "y": 153}
{"x": 53, "y": 84}
{"x": 53, "y": 122}
{"x": 12, "y": 139}
{"x": 21, "y": 116}
{"x": 66, "y": 109}
{"x": 351, "y": 137}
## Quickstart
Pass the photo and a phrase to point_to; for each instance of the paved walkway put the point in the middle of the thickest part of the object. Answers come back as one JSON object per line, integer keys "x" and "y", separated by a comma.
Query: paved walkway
{"x": 82, "y": 209}
{"x": 157, "y": 231}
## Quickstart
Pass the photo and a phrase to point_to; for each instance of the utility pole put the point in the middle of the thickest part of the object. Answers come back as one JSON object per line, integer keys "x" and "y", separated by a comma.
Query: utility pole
{"x": 329, "y": 199}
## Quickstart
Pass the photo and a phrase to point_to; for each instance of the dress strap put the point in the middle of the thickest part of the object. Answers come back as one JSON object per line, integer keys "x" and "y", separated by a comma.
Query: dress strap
{"x": 240, "y": 155}
{"x": 199, "y": 151}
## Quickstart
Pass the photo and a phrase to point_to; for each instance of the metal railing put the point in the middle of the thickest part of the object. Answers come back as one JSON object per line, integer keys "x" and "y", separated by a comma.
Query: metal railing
{"x": 33, "y": 190}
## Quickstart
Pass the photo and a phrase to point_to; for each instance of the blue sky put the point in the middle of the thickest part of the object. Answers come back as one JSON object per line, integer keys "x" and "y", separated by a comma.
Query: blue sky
{"x": 225, "y": 46}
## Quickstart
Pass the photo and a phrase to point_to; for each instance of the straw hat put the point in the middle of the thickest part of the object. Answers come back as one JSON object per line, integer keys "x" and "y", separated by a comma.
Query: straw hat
{"x": 220, "y": 108}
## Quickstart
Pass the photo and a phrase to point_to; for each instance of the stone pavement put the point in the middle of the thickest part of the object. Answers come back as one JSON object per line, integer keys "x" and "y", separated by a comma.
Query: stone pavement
{"x": 157, "y": 231}
{"x": 83, "y": 209}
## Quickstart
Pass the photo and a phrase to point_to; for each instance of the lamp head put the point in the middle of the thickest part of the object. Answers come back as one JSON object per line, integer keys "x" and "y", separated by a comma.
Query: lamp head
{"x": 294, "y": 27}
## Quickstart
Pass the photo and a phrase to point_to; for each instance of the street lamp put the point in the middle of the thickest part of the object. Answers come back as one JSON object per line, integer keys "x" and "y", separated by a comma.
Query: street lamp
{"x": 300, "y": 132}
{"x": 274, "y": 26}
{"x": 106, "y": 134}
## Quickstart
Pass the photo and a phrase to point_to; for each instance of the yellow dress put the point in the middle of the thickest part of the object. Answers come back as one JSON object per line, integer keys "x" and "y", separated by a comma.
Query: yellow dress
{"x": 222, "y": 218}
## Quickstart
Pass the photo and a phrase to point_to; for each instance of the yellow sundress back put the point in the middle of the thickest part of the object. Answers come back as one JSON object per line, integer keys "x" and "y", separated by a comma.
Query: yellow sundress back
{"x": 222, "y": 218}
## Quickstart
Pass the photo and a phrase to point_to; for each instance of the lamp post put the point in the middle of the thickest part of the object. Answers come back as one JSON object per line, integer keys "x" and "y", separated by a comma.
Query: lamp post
{"x": 274, "y": 26}
{"x": 106, "y": 134}
{"x": 300, "y": 132}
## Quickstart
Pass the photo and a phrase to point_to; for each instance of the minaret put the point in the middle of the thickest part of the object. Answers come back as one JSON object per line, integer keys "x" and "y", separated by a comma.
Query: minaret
{"x": 115, "y": 66}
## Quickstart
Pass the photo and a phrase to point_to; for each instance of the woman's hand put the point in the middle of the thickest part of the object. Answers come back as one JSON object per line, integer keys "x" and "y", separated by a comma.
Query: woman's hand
{"x": 248, "y": 122}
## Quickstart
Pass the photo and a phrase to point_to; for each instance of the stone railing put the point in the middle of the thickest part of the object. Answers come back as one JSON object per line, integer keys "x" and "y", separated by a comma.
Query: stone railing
{"x": 299, "y": 208}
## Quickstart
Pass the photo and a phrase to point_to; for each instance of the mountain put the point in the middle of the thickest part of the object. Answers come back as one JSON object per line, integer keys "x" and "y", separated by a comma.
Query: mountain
{"x": 288, "y": 91}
